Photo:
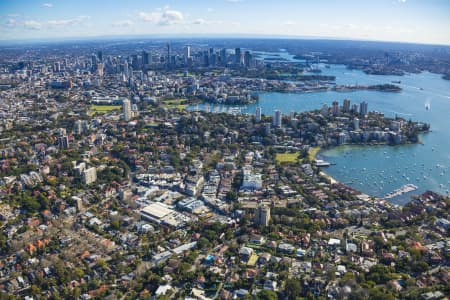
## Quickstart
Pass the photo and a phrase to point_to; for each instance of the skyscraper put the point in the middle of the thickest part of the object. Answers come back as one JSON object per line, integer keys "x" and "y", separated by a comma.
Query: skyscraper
{"x": 100, "y": 55}
{"x": 94, "y": 61}
{"x": 168, "y": 55}
{"x": 126, "y": 109}
{"x": 335, "y": 108}
{"x": 145, "y": 57}
{"x": 258, "y": 114}
{"x": 100, "y": 69}
{"x": 277, "y": 118}
{"x": 187, "y": 54}
{"x": 247, "y": 59}
{"x": 346, "y": 106}
{"x": 63, "y": 142}
{"x": 223, "y": 56}
{"x": 90, "y": 175}
{"x": 237, "y": 56}
{"x": 363, "y": 109}
{"x": 262, "y": 215}
{"x": 80, "y": 126}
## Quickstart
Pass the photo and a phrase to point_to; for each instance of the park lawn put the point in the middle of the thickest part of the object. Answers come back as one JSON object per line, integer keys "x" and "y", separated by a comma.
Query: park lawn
{"x": 287, "y": 157}
{"x": 313, "y": 152}
{"x": 175, "y": 103}
{"x": 104, "y": 108}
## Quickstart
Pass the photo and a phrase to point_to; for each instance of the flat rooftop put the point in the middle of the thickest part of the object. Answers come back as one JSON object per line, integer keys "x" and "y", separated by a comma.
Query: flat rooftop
{"x": 157, "y": 210}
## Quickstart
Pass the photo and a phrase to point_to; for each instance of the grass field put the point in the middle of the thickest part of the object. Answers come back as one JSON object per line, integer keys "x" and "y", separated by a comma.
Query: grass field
{"x": 175, "y": 103}
{"x": 313, "y": 152}
{"x": 286, "y": 157}
{"x": 104, "y": 108}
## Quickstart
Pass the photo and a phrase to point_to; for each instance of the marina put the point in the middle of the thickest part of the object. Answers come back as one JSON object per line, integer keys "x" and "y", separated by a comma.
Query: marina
{"x": 402, "y": 190}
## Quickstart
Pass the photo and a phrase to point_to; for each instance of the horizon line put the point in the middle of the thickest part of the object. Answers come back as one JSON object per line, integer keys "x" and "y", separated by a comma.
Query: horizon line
{"x": 4, "y": 42}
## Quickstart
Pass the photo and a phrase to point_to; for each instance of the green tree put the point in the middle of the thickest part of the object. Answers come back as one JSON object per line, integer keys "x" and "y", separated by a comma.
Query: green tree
{"x": 293, "y": 288}
{"x": 267, "y": 295}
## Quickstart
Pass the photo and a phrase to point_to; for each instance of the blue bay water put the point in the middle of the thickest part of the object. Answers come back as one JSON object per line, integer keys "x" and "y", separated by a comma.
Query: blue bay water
{"x": 378, "y": 170}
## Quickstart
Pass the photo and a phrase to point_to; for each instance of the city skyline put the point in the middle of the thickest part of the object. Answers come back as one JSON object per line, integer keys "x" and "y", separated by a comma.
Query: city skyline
{"x": 387, "y": 20}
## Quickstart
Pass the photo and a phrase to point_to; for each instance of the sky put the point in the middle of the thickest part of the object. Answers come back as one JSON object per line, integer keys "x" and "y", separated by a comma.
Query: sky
{"x": 418, "y": 21}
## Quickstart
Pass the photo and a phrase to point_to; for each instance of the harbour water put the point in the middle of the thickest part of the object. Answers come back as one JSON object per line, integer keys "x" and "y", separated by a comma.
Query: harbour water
{"x": 379, "y": 170}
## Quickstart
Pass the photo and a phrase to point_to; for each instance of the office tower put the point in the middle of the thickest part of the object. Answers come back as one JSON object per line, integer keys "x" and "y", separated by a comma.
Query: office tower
{"x": 100, "y": 69}
{"x": 267, "y": 128}
{"x": 100, "y": 55}
{"x": 356, "y": 124}
{"x": 126, "y": 69}
{"x": 237, "y": 56}
{"x": 168, "y": 55}
{"x": 78, "y": 127}
{"x": 63, "y": 142}
{"x": 258, "y": 114}
{"x": 354, "y": 108}
{"x": 205, "y": 59}
{"x": 135, "y": 62}
{"x": 145, "y": 57}
{"x": 346, "y": 106}
{"x": 90, "y": 175}
{"x": 94, "y": 62}
{"x": 247, "y": 59}
{"x": 57, "y": 67}
{"x": 335, "y": 108}
{"x": 277, "y": 118}
{"x": 187, "y": 54}
{"x": 363, "y": 109}
{"x": 262, "y": 215}
{"x": 213, "y": 59}
{"x": 223, "y": 56}
{"x": 126, "y": 109}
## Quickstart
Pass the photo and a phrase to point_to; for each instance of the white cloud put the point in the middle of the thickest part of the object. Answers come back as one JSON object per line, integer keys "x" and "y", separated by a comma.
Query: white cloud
{"x": 47, "y": 4}
{"x": 66, "y": 22}
{"x": 234, "y": 1}
{"x": 162, "y": 17}
{"x": 171, "y": 17}
{"x": 149, "y": 17}
{"x": 401, "y": 1}
{"x": 289, "y": 23}
{"x": 10, "y": 23}
{"x": 32, "y": 25}
{"x": 199, "y": 21}
{"x": 210, "y": 9}
{"x": 124, "y": 23}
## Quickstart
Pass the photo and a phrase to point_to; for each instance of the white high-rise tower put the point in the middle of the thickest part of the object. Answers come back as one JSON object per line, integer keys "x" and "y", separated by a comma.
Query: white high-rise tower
{"x": 126, "y": 109}
{"x": 258, "y": 114}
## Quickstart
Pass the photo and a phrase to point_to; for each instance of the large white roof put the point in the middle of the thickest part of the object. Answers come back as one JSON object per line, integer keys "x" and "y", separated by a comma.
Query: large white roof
{"x": 157, "y": 210}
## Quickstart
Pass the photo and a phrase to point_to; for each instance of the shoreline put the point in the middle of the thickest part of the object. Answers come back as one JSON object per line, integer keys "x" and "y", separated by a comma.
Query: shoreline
{"x": 362, "y": 196}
